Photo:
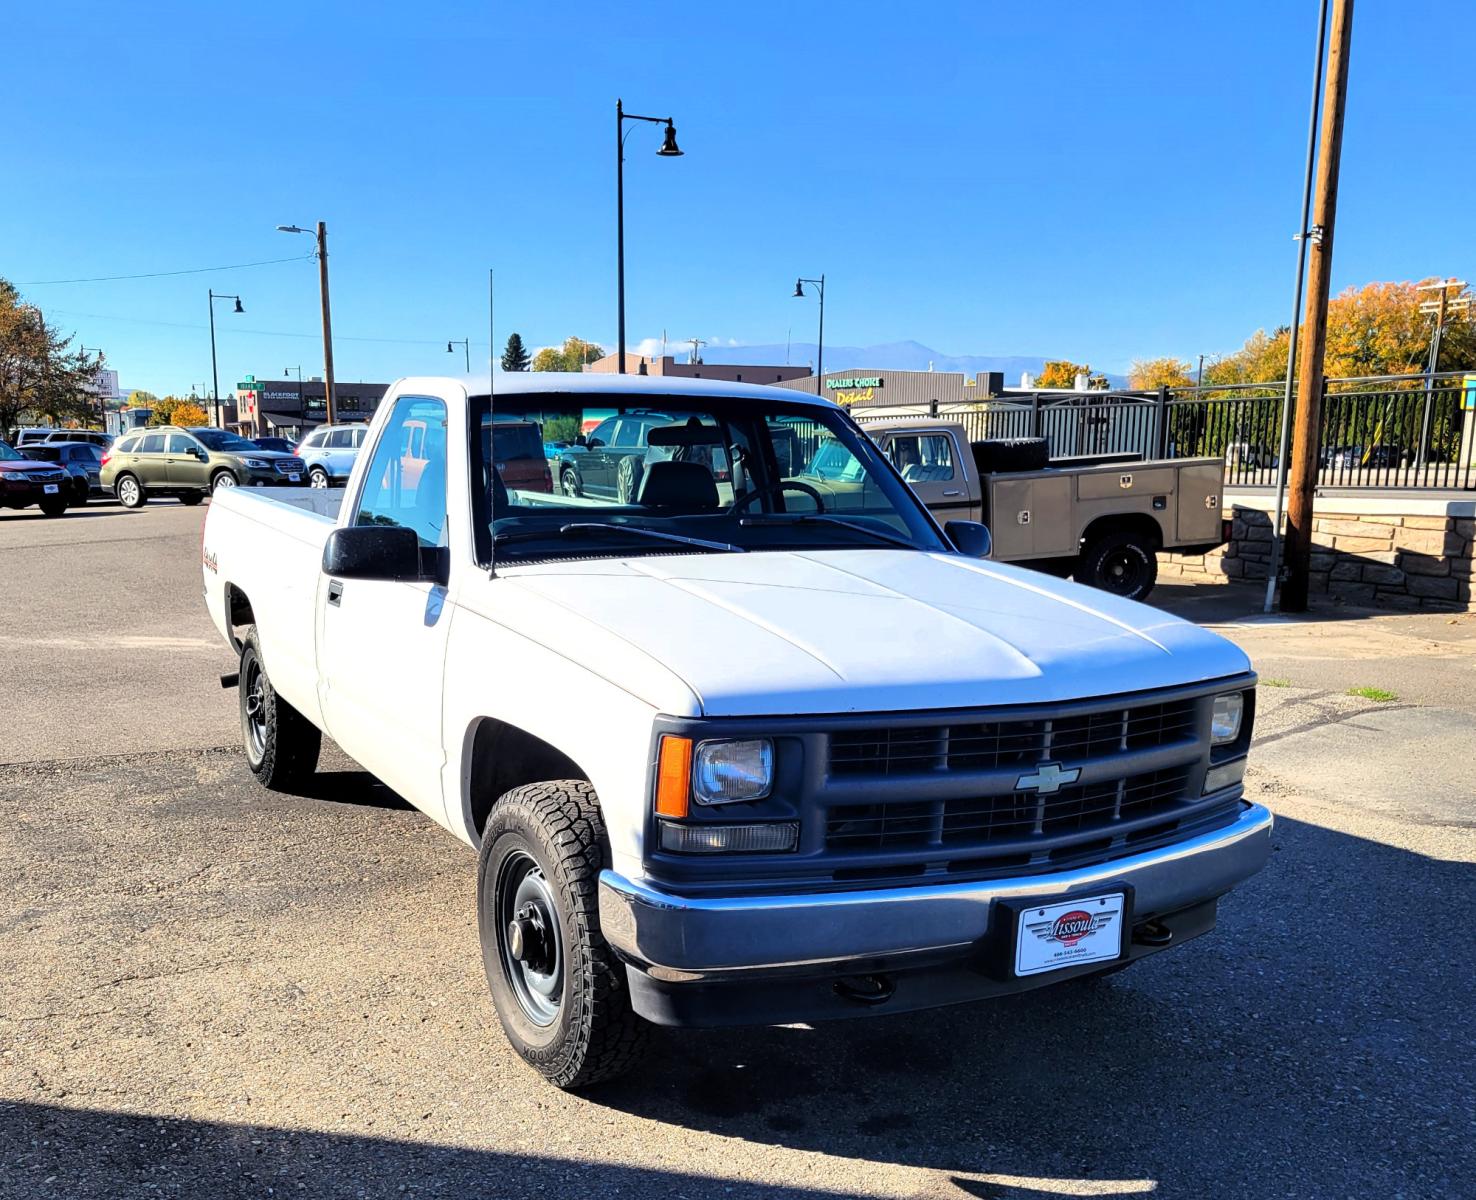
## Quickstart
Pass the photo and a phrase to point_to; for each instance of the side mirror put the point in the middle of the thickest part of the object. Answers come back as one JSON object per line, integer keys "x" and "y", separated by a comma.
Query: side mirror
{"x": 970, "y": 538}
{"x": 579, "y": 440}
{"x": 593, "y": 443}
{"x": 387, "y": 552}
{"x": 201, "y": 455}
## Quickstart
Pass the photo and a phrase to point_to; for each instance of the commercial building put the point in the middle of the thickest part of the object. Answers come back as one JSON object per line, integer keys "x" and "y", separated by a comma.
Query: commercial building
{"x": 917, "y": 392}
{"x": 290, "y": 407}
{"x": 666, "y": 365}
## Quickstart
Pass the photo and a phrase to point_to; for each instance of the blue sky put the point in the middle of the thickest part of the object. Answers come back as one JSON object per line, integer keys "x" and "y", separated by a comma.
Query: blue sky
{"x": 1098, "y": 181}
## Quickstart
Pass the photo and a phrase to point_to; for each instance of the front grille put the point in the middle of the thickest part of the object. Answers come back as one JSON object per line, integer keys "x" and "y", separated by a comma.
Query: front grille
{"x": 1013, "y": 817}
{"x": 290, "y": 466}
{"x": 992, "y": 744}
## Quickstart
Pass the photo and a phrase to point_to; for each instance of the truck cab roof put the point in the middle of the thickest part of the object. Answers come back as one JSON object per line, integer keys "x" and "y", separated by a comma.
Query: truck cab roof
{"x": 600, "y": 383}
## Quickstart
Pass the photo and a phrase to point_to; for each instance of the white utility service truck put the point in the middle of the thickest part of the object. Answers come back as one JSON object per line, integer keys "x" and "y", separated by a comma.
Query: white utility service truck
{"x": 743, "y": 747}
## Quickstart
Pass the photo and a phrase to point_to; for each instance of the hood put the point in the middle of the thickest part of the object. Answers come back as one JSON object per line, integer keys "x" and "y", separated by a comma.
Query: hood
{"x": 31, "y": 466}
{"x": 851, "y": 631}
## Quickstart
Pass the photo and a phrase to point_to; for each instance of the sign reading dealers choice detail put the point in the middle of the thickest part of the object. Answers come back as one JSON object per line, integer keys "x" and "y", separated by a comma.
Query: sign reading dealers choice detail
{"x": 1066, "y": 935}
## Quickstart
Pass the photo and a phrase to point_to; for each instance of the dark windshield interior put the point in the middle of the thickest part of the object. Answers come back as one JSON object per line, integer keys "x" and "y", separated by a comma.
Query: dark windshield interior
{"x": 617, "y": 474}
{"x": 9, "y": 455}
{"x": 219, "y": 439}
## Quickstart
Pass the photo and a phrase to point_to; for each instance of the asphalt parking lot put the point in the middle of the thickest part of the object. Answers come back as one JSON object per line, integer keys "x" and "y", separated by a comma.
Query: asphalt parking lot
{"x": 210, "y": 990}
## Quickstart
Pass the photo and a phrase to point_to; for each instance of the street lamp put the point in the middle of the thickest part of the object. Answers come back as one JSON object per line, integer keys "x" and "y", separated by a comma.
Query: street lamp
{"x": 799, "y": 294}
{"x": 102, "y": 408}
{"x": 301, "y": 405}
{"x": 322, "y": 254}
{"x": 669, "y": 149}
{"x": 214, "y": 372}
{"x": 465, "y": 344}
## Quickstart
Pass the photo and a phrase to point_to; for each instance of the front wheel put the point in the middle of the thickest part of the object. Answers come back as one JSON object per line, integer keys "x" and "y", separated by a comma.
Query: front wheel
{"x": 569, "y": 482}
{"x": 318, "y": 478}
{"x": 560, "y": 991}
{"x": 222, "y": 479}
{"x": 54, "y": 506}
{"x": 281, "y": 744}
{"x": 1124, "y": 563}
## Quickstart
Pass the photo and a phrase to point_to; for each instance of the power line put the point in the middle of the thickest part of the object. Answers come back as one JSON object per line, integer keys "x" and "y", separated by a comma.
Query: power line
{"x": 161, "y": 274}
{"x": 337, "y": 337}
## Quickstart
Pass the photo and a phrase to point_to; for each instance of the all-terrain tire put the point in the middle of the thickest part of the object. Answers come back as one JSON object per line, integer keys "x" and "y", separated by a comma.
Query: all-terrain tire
{"x": 282, "y": 745}
{"x": 1123, "y": 563}
{"x": 592, "y": 1034}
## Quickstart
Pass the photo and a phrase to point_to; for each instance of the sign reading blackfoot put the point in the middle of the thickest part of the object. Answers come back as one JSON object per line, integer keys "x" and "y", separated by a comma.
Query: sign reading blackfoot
{"x": 1070, "y": 934}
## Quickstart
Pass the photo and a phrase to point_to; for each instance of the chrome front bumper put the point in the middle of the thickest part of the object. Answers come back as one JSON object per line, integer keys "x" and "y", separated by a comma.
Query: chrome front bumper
{"x": 678, "y": 939}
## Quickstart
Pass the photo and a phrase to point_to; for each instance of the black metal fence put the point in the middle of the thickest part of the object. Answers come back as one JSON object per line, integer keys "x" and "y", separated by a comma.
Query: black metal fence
{"x": 1400, "y": 431}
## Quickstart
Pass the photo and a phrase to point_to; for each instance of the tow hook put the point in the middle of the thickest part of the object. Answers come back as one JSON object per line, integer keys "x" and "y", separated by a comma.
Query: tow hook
{"x": 865, "y": 989}
{"x": 1152, "y": 933}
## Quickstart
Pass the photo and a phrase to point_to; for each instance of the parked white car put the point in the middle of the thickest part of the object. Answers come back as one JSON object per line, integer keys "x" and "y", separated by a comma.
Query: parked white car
{"x": 330, "y": 452}
{"x": 729, "y": 755}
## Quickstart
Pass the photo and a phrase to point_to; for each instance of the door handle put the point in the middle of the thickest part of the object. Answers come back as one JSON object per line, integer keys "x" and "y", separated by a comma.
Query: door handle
{"x": 953, "y": 492}
{"x": 335, "y": 592}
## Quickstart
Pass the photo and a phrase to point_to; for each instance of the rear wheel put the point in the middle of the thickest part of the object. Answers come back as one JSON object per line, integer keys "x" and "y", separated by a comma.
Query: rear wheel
{"x": 281, "y": 744}
{"x": 560, "y": 991}
{"x": 130, "y": 492}
{"x": 1123, "y": 563}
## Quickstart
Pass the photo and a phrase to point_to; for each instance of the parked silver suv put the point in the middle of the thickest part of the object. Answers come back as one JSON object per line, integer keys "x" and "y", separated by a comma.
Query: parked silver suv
{"x": 329, "y": 452}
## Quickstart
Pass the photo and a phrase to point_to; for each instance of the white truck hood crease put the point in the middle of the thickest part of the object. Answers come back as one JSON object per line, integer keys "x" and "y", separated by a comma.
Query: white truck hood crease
{"x": 838, "y": 631}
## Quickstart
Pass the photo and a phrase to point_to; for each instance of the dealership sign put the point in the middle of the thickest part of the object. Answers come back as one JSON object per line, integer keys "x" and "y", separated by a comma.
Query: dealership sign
{"x": 855, "y": 381}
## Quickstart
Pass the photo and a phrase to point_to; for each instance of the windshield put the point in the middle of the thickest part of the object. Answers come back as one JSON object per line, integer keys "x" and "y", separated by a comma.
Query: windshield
{"x": 586, "y": 475}
{"x": 219, "y": 439}
{"x": 9, "y": 455}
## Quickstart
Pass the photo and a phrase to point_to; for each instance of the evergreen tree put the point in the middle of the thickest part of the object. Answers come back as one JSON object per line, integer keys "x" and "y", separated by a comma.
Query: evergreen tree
{"x": 515, "y": 357}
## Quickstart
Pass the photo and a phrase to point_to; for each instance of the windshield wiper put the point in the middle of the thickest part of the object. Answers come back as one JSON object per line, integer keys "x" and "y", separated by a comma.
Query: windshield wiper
{"x": 593, "y": 528}
{"x": 781, "y": 519}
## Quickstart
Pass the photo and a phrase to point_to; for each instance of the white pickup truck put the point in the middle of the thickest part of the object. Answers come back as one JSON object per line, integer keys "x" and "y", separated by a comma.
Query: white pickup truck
{"x": 732, "y": 752}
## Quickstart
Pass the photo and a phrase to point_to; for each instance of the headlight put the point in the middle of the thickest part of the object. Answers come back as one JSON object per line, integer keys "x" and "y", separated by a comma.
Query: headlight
{"x": 17, "y": 476}
{"x": 258, "y": 464}
{"x": 1225, "y": 724}
{"x": 727, "y": 772}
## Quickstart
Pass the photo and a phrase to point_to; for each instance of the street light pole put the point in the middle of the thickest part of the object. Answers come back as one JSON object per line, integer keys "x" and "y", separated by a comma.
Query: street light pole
{"x": 331, "y": 406}
{"x": 668, "y": 149}
{"x": 214, "y": 371}
{"x": 465, "y": 343}
{"x": 799, "y": 292}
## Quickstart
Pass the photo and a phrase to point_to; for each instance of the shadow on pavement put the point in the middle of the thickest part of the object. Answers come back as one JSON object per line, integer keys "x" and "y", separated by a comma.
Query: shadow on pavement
{"x": 1318, "y": 1043}
{"x": 51, "y": 1153}
{"x": 357, "y": 788}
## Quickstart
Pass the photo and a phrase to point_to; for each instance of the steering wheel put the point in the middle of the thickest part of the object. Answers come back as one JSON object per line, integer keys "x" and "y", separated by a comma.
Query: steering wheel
{"x": 787, "y": 485}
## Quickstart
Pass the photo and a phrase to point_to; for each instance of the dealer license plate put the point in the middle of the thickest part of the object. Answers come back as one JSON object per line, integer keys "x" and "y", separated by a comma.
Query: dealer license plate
{"x": 50, "y": 488}
{"x": 1084, "y": 930}
{"x": 293, "y": 478}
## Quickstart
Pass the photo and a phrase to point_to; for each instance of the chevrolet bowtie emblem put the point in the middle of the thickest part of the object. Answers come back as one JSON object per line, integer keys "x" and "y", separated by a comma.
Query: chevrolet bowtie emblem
{"x": 1048, "y": 778}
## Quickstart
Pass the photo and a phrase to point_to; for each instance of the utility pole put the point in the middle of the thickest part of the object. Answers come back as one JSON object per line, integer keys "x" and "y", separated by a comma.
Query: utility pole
{"x": 332, "y": 406}
{"x": 1307, "y": 418}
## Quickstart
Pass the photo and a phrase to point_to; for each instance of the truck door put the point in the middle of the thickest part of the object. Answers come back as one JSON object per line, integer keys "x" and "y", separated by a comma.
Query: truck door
{"x": 382, "y": 644}
{"x": 929, "y": 461}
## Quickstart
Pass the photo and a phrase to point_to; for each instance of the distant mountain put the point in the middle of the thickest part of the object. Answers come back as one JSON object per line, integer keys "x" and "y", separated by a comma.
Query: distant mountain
{"x": 892, "y": 356}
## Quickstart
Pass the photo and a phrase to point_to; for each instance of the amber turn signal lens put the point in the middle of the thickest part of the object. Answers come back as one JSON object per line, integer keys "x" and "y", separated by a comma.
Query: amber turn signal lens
{"x": 674, "y": 777}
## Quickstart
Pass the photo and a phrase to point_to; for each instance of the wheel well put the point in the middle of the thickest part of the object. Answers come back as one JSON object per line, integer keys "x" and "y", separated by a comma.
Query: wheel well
{"x": 238, "y": 613}
{"x": 504, "y": 757}
{"x": 1134, "y": 523}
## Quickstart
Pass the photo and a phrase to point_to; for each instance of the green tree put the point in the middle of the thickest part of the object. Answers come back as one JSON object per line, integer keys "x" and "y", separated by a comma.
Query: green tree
{"x": 41, "y": 377}
{"x": 142, "y": 399}
{"x": 515, "y": 357}
{"x": 177, "y": 410}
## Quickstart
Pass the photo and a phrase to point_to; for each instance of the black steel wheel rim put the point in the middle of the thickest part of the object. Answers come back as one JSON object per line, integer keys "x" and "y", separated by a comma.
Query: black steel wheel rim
{"x": 253, "y": 709}
{"x": 530, "y": 941}
{"x": 1123, "y": 570}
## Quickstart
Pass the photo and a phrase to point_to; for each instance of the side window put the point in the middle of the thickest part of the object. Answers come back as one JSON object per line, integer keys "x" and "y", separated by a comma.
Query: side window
{"x": 312, "y": 441}
{"x": 359, "y": 436}
{"x": 125, "y": 446}
{"x": 923, "y": 457}
{"x": 405, "y": 490}
{"x": 603, "y": 432}
{"x": 628, "y": 433}
{"x": 180, "y": 443}
{"x": 152, "y": 443}
{"x": 340, "y": 439}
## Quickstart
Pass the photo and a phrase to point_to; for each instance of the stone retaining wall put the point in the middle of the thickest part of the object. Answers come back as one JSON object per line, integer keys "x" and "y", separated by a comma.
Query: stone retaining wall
{"x": 1382, "y": 560}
